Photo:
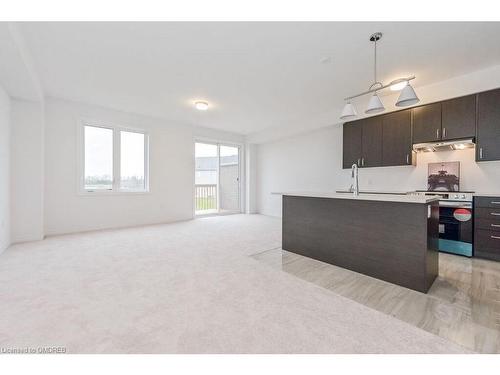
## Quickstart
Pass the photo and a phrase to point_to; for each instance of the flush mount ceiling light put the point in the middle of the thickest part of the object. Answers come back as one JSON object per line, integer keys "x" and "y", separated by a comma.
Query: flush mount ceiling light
{"x": 375, "y": 105}
{"x": 201, "y": 105}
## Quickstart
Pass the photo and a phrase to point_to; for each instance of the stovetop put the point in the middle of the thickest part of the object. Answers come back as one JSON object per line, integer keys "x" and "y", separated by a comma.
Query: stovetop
{"x": 465, "y": 196}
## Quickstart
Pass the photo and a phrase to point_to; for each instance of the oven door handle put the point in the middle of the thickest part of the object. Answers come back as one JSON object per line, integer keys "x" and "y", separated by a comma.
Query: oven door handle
{"x": 455, "y": 204}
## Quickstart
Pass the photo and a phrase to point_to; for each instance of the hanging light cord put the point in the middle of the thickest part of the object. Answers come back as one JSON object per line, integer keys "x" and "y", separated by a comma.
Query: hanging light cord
{"x": 377, "y": 86}
{"x": 375, "y": 67}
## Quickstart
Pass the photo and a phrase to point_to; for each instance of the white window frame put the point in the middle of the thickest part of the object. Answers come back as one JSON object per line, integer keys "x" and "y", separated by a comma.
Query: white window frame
{"x": 116, "y": 189}
{"x": 241, "y": 176}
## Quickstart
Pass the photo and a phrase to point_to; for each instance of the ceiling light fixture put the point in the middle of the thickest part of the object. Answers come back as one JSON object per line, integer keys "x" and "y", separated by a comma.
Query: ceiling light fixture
{"x": 407, "y": 97}
{"x": 201, "y": 105}
{"x": 348, "y": 111}
{"x": 375, "y": 105}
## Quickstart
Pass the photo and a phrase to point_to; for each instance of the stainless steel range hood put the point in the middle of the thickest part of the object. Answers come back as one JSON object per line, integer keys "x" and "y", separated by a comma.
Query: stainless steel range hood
{"x": 459, "y": 144}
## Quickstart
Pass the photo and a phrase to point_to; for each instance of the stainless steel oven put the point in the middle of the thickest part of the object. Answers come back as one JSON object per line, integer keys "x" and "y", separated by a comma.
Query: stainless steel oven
{"x": 455, "y": 221}
{"x": 455, "y": 227}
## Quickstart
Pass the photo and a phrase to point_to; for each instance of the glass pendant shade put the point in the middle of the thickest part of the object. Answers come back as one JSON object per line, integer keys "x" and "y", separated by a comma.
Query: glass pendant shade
{"x": 374, "y": 105}
{"x": 348, "y": 111}
{"x": 407, "y": 97}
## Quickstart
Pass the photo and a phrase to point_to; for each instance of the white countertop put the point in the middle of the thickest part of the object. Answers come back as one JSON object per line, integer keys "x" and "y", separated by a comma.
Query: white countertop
{"x": 385, "y": 197}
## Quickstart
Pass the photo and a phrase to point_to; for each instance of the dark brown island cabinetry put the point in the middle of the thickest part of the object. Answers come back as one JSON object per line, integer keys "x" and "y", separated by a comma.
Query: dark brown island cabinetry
{"x": 488, "y": 126}
{"x": 487, "y": 227}
{"x": 396, "y": 139}
{"x": 392, "y": 241}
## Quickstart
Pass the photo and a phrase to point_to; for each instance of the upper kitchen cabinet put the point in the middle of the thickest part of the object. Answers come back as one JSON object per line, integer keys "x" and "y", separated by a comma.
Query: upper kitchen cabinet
{"x": 458, "y": 118}
{"x": 427, "y": 123}
{"x": 352, "y": 133}
{"x": 396, "y": 139}
{"x": 371, "y": 144}
{"x": 362, "y": 143}
{"x": 488, "y": 126}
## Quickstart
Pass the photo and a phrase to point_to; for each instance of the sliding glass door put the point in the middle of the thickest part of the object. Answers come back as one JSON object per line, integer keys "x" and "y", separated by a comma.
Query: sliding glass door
{"x": 217, "y": 178}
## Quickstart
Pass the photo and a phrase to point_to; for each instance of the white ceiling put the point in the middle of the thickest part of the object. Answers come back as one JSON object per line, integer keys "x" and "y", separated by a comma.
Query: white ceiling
{"x": 254, "y": 75}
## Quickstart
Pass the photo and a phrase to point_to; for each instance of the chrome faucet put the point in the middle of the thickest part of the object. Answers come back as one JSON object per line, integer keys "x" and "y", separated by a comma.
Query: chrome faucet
{"x": 355, "y": 185}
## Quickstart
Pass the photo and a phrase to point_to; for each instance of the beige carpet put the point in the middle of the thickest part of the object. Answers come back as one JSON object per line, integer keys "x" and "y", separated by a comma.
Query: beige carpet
{"x": 187, "y": 287}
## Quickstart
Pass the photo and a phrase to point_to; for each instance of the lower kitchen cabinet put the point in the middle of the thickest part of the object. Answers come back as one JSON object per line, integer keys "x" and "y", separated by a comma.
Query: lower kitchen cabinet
{"x": 487, "y": 227}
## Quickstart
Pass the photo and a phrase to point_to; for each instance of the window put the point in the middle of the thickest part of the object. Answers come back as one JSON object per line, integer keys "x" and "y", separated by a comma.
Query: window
{"x": 114, "y": 159}
{"x": 98, "y": 158}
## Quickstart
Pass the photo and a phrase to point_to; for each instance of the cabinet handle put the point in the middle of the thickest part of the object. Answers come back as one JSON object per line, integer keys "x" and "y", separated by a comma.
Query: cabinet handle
{"x": 437, "y": 133}
{"x": 495, "y": 237}
{"x": 444, "y": 132}
{"x": 480, "y": 153}
{"x": 494, "y": 202}
{"x": 495, "y": 213}
{"x": 495, "y": 225}
{"x": 407, "y": 159}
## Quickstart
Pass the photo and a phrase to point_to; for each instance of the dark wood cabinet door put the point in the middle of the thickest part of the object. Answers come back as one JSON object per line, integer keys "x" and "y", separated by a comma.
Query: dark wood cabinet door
{"x": 488, "y": 126}
{"x": 372, "y": 142}
{"x": 351, "y": 143}
{"x": 396, "y": 138}
{"x": 459, "y": 118}
{"x": 427, "y": 123}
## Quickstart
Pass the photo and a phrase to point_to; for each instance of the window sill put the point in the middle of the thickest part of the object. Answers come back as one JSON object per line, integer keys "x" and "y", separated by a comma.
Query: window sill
{"x": 111, "y": 193}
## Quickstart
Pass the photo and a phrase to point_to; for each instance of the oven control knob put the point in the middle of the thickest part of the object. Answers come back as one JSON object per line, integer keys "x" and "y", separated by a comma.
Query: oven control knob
{"x": 463, "y": 196}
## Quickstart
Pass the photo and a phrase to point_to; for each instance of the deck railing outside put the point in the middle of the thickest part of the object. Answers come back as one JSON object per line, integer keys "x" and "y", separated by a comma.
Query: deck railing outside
{"x": 205, "y": 197}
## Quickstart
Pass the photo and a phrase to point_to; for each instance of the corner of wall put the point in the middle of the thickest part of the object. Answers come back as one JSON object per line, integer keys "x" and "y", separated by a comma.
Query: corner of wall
{"x": 27, "y": 170}
{"x": 5, "y": 154}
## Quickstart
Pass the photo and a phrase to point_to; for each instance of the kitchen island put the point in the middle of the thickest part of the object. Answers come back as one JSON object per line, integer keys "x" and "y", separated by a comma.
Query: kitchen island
{"x": 392, "y": 237}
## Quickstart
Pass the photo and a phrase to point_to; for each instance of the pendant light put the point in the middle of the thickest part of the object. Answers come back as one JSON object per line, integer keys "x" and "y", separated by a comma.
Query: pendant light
{"x": 348, "y": 111}
{"x": 407, "y": 97}
{"x": 375, "y": 105}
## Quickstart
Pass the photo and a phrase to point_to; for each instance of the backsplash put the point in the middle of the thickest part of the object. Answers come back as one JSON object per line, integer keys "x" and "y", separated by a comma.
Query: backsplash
{"x": 478, "y": 177}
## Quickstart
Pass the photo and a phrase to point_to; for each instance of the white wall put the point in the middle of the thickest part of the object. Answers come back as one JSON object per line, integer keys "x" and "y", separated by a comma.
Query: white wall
{"x": 251, "y": 178}
{"x": 27, "y": 170}
{"x": 171, "y": 171}
{"x": 313, "y": 162}
{"x": 5, "y": 129}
